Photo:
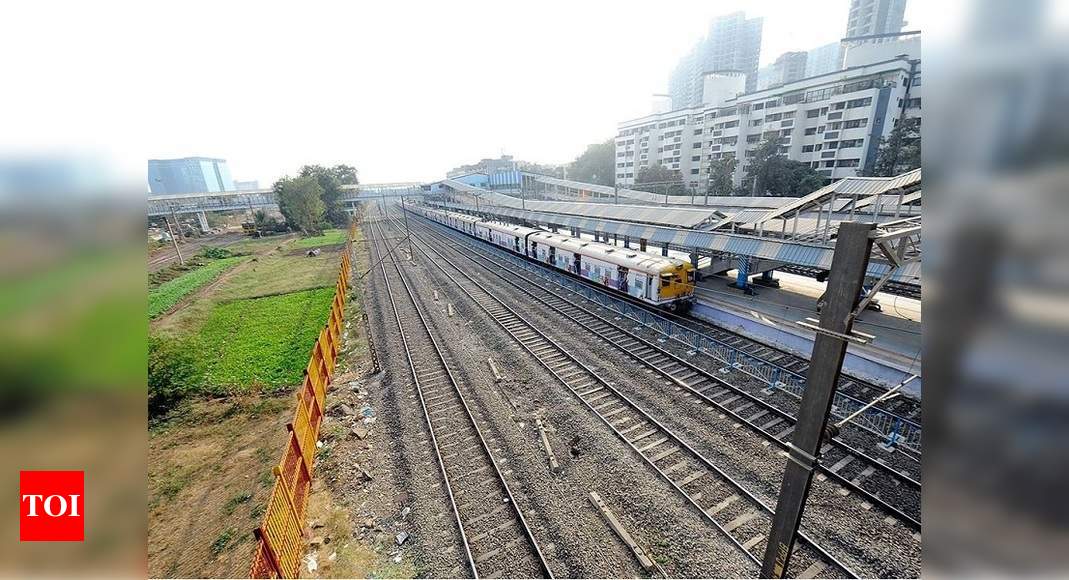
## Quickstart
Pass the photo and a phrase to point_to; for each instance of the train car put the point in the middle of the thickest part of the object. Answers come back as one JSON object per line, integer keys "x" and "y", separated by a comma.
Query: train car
{"x": 665, "y": 282}
{"x": 508, "y": 236}
{"x": 661, "y": 281}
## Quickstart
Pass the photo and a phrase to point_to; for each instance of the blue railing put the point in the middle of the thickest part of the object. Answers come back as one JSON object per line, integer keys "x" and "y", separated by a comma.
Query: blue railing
{"x": 894, "y": 429}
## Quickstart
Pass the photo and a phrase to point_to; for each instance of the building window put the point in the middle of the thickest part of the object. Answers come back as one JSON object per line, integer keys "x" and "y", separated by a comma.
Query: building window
{"x": 831, "y": 135}
{"x": 914, "y": 103}
{"x": 855, "y": 103}
{"x": 787, "y": 123}
{"x": 847, "y": 163}
{"x": 811, "y": 131}
{"x": 697, "y": 145}
{"x": 812, "y": 114}
{"x": 693, "y": 171}
{"x": 756, "y": 122}
{"x": 831, "y": 145}
{"x": 835, "y": 115}
{"x": 758, "y": 106}
{"x": 696, "y": 158}
{"x": 856, "y": 123}
{"x": 848, "y": 143}
{"x": 807, "y": 148}
{"x": 697, "y": 131}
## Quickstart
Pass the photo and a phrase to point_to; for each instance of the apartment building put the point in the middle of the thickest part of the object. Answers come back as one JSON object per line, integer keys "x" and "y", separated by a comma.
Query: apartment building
{"x": 834, "y": 122}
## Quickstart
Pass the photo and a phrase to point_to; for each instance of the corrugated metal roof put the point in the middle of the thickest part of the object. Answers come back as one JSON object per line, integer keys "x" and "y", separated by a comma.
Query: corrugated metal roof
{"x": 791, "y": 252}
{"x": 602, "y": 189}
{"x": 669, "y": 216}
{"x": 852, "y": 186}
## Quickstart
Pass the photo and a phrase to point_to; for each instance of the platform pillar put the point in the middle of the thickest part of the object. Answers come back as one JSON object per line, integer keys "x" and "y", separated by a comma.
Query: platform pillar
{"x": 767, "y": 280}
{"x": 202, "y": 217}
{"x": 664, "y": 249}
{"x": 627, "y": 242}
{"x": 642, "y": 244}
{"x": 743, "y": 273}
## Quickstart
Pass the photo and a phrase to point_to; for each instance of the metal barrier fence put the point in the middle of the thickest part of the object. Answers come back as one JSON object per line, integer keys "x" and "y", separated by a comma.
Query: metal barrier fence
{"x": 892, "y": 428}
{"x": 280, "y": 542}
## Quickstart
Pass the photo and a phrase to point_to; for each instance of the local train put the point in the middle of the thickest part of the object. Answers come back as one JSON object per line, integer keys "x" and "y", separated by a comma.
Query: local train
{"x": 661, "y": 281}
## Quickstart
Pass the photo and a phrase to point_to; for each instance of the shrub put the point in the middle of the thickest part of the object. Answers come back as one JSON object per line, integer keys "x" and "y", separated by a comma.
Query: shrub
{"x": 215, "y": 253}
{"x": 172, "y": 374}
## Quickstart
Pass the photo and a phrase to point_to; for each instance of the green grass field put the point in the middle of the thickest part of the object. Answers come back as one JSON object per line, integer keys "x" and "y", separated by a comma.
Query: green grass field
{"x": 329, "y": 238}
{"x": 169, "y": 293}
{"x": 262, "y": 341}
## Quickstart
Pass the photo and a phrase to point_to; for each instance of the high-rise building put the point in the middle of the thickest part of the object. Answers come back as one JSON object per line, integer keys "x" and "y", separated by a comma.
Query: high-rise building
{"x": 189, "y": 175}
{"x": 822, "y": 59}
{"x": 789, "y": 67}
{"x": 873, "y": 17}
{"x": 733, "y": 44}
{"x": 832, "y": 122}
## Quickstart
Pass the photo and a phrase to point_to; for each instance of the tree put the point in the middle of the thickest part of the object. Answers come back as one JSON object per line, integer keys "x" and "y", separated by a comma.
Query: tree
{"x": 596, "y": 165}
{"x": 899, "y": 152}
{"x": 720, "y": 175}
{"x": 657, "y": 179}
{"x": 330, "y": 181}
{"x": 771, "y": 173}
{"x": 301, "y": 201}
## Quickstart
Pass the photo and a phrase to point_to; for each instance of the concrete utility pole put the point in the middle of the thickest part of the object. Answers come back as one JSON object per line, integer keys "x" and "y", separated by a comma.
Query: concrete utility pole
{"x": 174, "y": 240}
{"x": 847, "y": 274}
{"x": 408, "y": 233}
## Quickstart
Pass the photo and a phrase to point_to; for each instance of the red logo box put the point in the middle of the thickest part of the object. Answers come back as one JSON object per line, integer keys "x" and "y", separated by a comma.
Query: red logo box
{"x": 51, "y": 506}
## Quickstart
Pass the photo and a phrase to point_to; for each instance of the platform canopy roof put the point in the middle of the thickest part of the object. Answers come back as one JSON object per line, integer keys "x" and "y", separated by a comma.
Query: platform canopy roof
{"x": 680, "y": 217}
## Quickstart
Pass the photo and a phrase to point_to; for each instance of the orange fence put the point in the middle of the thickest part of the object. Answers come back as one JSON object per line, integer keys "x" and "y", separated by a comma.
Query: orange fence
{"x": 280, "y": 538}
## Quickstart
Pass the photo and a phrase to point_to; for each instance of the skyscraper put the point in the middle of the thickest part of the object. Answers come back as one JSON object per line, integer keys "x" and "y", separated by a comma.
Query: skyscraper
{"x": 733, "y": 44}
{"x": 869, "y": 17}
{"x": 822, "y": 59}
{"x": 790, "y": 66}
{"x": 189, "y": 175}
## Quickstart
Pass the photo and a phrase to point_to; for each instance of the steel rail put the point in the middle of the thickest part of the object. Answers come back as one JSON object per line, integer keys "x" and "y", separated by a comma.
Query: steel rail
{"x": 489, "y": 457}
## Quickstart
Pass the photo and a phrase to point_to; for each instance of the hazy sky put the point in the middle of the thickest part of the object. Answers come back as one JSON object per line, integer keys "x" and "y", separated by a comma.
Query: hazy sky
{"x": 402, "y": 90}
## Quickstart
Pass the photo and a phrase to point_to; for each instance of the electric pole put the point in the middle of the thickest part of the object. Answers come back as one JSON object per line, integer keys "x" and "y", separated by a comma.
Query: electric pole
{"x": 847, "y": 275}
{"x": 174, "y": 240}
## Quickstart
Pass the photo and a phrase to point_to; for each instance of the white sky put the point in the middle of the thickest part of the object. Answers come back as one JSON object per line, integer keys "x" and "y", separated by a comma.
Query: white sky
{"x": 402, "y": 90}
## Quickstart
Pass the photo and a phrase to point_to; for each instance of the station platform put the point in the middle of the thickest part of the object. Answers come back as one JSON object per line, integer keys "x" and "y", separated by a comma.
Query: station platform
{"x": 771, "y": 317}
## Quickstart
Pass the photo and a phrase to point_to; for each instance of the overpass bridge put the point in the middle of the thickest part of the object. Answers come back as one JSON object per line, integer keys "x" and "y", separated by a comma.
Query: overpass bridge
{"x": 202, "y": 202}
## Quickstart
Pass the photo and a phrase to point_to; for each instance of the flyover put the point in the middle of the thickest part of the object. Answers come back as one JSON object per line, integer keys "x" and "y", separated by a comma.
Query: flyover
{"x": 212, "y": 201}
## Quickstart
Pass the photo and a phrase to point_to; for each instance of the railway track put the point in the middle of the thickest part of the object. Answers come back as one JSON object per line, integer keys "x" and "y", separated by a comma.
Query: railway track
{"x": 497, "y": 540}
{"x": 760, "y": 361}
{"x": 722, "y": 501}
{"x": 895, "y": 492}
